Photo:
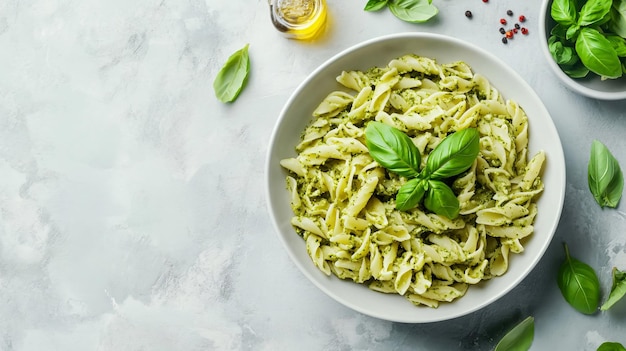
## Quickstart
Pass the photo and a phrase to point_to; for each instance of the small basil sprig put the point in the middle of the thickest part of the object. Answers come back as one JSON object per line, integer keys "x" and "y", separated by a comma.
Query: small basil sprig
{"x": 579, "y": 284}
{"x": 618, "y": 289}
{"x": 520, "y": 338}
{"x": 605, "y": 178}
{"x": 611, "y": 346}
{"x": 414, "y": 11}
{"x": 233, "y": 76}
{"x": 395, "y": 151}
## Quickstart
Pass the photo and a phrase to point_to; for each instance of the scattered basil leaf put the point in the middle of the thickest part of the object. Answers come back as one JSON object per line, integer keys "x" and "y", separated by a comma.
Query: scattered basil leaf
{"x": 594, "y": 11}
{"x": 611, "y": 346}
{"x": 597, "y": 53}
{"x": 411, "y": 193}
{"x": 375, "y": 5}
{"x": 617, "y": 24}
{"x": 605, "y": 178}
{"x": 392, "y": 149}
{"x": 579, "y": 284}
{"x": 232, "y": 77}
{"x": 414, "y": 11}
{"x": 441, "y": 200}
{"x": 454, "y": 154}
{"x": 618, "y": 289}
{"x": 563, "y": 12}
{"x": 520, "y": 338}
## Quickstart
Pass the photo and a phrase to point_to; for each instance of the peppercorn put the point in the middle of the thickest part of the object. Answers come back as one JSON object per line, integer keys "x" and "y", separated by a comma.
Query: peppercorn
{"x": 502, "y": 30}
{"x": 509, "y": 34}
{"x": 502, "y": 21}
{"x": 524, "y": 30}
{"x": 509, "y": 12}
{"x": 504, "y": 40}
{"x": 468, "y": 14}
{"x": 522, "y": 18}
{"x": 517, "y": 26}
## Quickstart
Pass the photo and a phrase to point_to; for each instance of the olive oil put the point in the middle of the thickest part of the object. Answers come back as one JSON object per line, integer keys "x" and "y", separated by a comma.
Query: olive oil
{"x": 299, "y": 19}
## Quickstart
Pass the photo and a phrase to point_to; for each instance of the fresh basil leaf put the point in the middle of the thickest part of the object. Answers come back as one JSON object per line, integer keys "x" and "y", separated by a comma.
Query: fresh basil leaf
{"x": 597, "y": 53}
{"x": 579, "y": 284}
{"x": 618, "y": 43}
{"x": 578, "y": 70}
{"x": 375, "y": 5}
{"x": 454, "y": 154}
{"x": 410, "y": 194}
{"x": 604, "y": 176}
{"x": 572, "y": 32}
{"x": 520, "y": 338}
{"x": 414, "y": 11}
{"x": 618, "y": 289}
{"x": 562, "y": 55}
{"x": 559, "y": 31}
{"x": 441, "y": 200}
{"x": 232, "y": 77}
{"x": 392, "y": 149}
{"x": 611, "y": 346}
{"x": 594, "y": 11}
{"x": 563, "y": 12}
{"x": 617, "y": 24}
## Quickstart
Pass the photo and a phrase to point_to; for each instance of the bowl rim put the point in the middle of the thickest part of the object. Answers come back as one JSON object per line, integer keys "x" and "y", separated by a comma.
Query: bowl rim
{"x": 567, "y": 80}
{"x": 559, "y": 164}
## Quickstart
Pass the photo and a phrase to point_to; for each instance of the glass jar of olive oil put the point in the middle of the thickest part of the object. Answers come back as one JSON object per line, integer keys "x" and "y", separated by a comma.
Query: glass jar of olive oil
{"x": 299, "y": 19}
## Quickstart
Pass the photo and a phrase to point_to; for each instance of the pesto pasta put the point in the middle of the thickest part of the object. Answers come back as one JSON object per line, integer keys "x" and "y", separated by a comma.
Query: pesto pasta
{"x": 344, "y": 202}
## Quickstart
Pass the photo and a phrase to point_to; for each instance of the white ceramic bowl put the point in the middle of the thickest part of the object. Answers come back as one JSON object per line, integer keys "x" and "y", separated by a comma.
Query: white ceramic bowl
{"x": 591, "y": 86}
{"x": 378, "y": 52}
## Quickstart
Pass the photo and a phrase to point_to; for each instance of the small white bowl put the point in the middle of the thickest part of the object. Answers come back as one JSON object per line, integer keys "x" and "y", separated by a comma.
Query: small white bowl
{"x": 591, "y": 86}
{"x": 296, "y": 115}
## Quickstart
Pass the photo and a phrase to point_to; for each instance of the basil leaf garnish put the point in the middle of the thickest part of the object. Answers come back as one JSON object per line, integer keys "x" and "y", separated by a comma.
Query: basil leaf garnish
{"x": 618, "y": 289}
{"x": 392, "y": 149}
{"x": 520, "y": 338}
{"x": 597, "y": 53}
{"x": 579, "y": 284}
{"x": 611, "y": 346}
{"x": 232, "y": 77}
{"x": 454, "y": 155}
{"x": 563, "y": 12}
{"x": 441, "y": 200}
{"x": 375, "y": 5}
{"x": 395, "y": 151}
{"x": 414, "y": 11}
{"x": 594, "y": 11}
{"x": 411, "y": 193}
{"x": 605, "y": 178}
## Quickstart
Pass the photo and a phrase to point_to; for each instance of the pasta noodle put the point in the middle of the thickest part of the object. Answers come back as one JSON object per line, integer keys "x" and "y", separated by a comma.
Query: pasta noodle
{"x": 344, "y": 202}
